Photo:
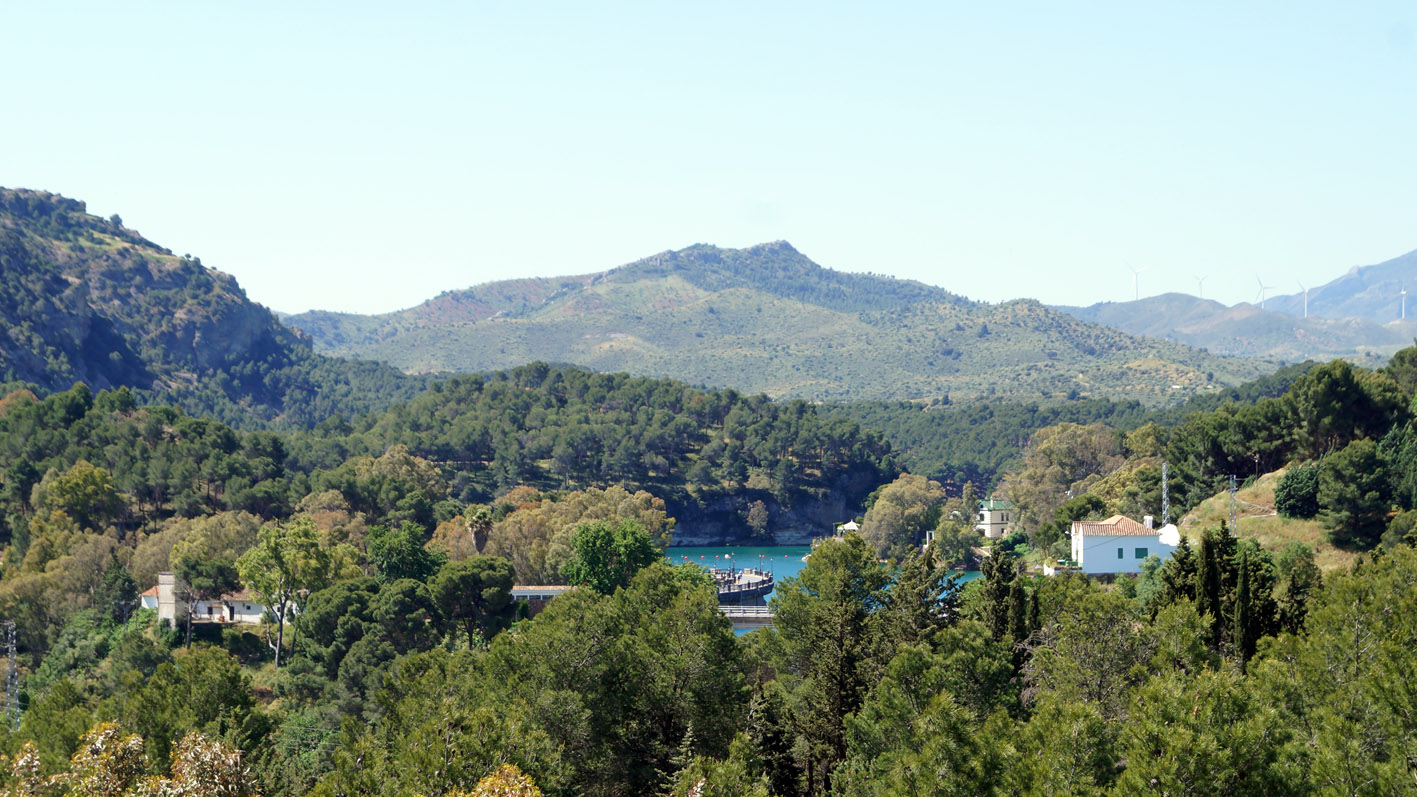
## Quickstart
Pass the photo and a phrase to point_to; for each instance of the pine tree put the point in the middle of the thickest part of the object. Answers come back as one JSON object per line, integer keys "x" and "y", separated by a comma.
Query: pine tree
{"x": 116, "y": 593}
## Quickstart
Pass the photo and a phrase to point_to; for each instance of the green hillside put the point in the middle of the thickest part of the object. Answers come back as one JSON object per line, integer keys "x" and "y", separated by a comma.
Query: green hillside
{"x": 86, "y": 299}
{"x": 1256, "y": 519}
{"x": 768, "y": 319}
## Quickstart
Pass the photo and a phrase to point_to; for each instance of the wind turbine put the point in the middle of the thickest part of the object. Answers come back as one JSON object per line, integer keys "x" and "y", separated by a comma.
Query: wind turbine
{"x": 1306, "y": 298}
{"x": 1263, "y": 288}
{"x": 1136, "y": 282}
{"x": 1200, "y": 287}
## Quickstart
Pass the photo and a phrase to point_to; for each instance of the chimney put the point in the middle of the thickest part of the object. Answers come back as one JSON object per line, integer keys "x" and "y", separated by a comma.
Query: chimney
{"x": 1149, "y": 522}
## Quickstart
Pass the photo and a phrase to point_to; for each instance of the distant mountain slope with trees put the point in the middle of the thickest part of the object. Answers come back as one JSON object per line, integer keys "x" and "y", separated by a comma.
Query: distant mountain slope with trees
{"x": 87, "y": 299}
{"x": 1246, "y": 330}
{"x": 767, "y": 318}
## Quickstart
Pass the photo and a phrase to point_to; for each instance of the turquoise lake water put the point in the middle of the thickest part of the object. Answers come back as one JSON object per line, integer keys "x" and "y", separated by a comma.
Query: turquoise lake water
{"x": 780, "y": 560}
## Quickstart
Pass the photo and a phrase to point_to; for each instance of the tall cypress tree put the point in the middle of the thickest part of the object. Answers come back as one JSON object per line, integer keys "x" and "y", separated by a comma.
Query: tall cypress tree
{"x": 772, "y": 736}
{"x": 1208, "y": 586}
{"x": 998, "y": 573}
{"x": 923, "y": 599}
{"x": 1018, "y": 610}
{"x": 1178, "y": 577}
{"x": 1242, "y": 625}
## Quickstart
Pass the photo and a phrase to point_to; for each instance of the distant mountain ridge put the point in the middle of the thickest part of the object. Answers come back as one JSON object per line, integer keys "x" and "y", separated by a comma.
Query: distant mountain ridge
{"x": 1245, "y": 330}
{"x": 86, "y": 299}
{"x": 767, "y": 318}
{"x": 1371, "y": 292}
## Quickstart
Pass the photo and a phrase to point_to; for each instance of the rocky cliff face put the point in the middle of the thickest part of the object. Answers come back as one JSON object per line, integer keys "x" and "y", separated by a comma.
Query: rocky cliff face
{"x": 91, "y": 300}
{"x": 86, "y": 299}
{"x": 720, "y": 520}
{"x": 721, "y": 523}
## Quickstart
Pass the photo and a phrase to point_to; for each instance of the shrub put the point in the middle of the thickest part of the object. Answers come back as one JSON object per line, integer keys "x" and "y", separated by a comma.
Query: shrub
{"x": 1297, "y": 495}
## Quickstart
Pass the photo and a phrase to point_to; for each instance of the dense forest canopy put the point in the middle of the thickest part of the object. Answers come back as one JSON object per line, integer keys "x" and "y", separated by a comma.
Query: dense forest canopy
{"x": 393, "y": 660}
{"x": 978, "y": 441}
{"x": 382, "y": 523}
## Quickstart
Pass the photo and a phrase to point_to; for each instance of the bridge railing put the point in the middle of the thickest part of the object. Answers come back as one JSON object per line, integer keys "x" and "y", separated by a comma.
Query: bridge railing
{"x": 745, "y": 611}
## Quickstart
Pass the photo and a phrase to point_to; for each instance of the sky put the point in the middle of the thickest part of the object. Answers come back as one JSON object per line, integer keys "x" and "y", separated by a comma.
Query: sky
{"x": 365, "y": 157}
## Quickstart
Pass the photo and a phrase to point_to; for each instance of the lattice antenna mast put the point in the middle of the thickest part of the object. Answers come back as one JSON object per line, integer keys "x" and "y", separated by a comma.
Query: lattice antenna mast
{"x": 1232, "y": 505}
{"x": 1165, "y": 493}
{"x": 12, "y": 678}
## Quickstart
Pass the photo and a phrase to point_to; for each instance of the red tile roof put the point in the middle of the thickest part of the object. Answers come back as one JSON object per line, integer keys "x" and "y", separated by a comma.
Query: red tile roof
{"x": 1115, "y": 526}
{"x": 150, "y": 592}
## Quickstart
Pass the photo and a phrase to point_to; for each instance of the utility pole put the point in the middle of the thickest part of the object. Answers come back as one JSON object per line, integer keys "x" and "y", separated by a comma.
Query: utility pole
{"x": 12, "y": 678}
{"x": 1232, "y": 505}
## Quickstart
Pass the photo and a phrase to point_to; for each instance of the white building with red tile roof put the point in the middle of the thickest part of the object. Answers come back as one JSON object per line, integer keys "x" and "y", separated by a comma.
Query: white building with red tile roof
{"x": 233, "y": 607}
{"x": 1119, "y": 544}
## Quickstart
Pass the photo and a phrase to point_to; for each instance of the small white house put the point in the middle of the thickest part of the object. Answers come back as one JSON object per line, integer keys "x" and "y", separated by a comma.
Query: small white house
{"x": 994, "y": 517}
{"x": 148, "y": 600}
{"x": 234, "y": 607}
{"x": 1120, "y": 544}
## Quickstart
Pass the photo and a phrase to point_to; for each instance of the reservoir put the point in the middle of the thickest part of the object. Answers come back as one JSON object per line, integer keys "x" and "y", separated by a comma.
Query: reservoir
{"x": 782, "y": 561}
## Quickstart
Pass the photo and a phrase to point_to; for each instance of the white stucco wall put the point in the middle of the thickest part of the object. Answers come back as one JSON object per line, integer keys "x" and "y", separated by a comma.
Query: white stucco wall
{"x": 1097, "y": 553}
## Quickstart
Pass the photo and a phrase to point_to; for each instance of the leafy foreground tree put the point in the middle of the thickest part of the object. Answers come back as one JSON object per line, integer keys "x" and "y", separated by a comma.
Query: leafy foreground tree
{"x": 606, "y": 555}
{"x": 507, "y": 781}
{"x": 595, "y": 696}
{"x": 287, "y": 561}
{"x": 110, "y": 763}
{"x": 829, "y": 622}
{"x": 204, "y": 580}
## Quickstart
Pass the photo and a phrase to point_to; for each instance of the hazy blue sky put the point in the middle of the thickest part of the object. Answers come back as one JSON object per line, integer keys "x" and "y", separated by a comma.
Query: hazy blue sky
{"x": 361, "y": 156}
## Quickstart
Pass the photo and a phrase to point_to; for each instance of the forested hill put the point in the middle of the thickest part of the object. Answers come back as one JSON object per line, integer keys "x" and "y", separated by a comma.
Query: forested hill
{"x": 86, "y": 299}
{"x": 980, "y": 441}
{"x": 767, "y": 318}
{"x": 728, "y": 466}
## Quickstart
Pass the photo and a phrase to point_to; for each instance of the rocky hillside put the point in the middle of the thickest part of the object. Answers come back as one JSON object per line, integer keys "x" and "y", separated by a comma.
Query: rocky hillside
{"x": 1371, "y": 292}
{"x": 767, "y": 318}
{"x": 1245, "y": 330}
{"x": 86, "y": 299}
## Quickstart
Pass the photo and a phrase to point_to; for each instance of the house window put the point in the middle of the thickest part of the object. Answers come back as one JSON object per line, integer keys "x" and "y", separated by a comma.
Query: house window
{"x": 1141, "y": 553}
{"x": 1120, "y": 555}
